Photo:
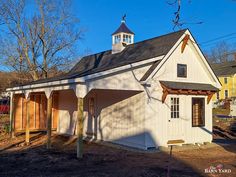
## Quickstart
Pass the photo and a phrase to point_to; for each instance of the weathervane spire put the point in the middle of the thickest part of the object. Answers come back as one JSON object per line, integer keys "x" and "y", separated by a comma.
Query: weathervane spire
{"x": 123, "y": 18}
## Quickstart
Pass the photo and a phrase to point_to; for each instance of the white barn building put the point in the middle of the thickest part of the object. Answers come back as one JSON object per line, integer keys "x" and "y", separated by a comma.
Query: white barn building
{"x": 144, "y": 95}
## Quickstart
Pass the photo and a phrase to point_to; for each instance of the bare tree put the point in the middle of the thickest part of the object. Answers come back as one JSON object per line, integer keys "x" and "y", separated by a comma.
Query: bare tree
{"x": 221, "y": 52}
{"x": 38, "y": 43}
{"x": 177, "y": 22}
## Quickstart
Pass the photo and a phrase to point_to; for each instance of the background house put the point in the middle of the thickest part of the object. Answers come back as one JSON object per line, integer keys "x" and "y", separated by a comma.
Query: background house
{"x": 226, "y": 72}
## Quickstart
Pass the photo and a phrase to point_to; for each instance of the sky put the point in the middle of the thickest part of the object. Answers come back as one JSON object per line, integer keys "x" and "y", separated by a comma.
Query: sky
{"x": 151, "y": 18}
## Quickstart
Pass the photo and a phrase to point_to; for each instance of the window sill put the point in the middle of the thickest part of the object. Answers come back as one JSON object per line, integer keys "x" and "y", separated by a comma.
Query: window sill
{"x": 198, "y": 125}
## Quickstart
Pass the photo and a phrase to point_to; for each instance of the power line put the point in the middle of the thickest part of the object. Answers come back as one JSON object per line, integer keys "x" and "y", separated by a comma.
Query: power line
{"x": 206, "y": 45}
{"x": 218, "y": 38}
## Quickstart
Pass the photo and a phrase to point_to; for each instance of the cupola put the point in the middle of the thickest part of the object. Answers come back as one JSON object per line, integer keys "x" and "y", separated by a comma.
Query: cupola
{"x": 122, "y": 37}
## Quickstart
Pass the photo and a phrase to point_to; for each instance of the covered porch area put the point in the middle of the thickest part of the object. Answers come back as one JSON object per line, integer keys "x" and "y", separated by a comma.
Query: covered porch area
{"x": 95, "y": 115}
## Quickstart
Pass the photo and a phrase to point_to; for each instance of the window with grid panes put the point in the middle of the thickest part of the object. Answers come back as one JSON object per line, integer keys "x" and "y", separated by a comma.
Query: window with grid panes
{"x": 117, "y": 39}
{"x": 174, "y": 107}
{"x": 198, "y": 112}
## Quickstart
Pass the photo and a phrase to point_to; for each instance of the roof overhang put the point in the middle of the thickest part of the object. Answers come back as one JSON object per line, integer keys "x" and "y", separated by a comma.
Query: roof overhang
{"x": 186, "y": 88}
{"x": 83, "y": 79}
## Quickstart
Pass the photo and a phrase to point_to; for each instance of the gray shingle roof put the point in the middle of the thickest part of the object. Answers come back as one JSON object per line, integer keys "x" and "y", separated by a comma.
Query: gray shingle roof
{"x": 123, "y": 28}
{"x": 189, "y": 86}
{"x": 136, "y": 52}
{"x": 224, "y": 69}
{"x": 132, "y": 53}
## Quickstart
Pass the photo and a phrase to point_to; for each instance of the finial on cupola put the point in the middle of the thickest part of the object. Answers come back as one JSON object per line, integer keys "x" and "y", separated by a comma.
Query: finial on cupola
{"x": 122, "y": 37}
{"x": 123, "y": 18}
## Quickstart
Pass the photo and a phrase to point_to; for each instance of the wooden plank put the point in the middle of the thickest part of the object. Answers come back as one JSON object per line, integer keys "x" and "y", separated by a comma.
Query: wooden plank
{"x": 34, "y": 130}
{"x": 24, "y": 112}
{"x": 179, "y": 141}
{"x": 17, "y": 112}
{"x": 49, "y": 121}
{"x": 31, "y": 111}
{"x": 80, "y": 111}
{"x": 34, "y": 99}
{"x": 27, "y": 131}
{"x": 37, "y": 111}
{"x": 55, "y": 110}
{"x": 12, "y": 114}
{"x": 43, "y": 112}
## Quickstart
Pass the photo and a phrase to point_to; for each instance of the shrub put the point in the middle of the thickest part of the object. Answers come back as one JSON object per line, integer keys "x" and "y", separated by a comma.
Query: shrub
{"x": 6, "y": 128}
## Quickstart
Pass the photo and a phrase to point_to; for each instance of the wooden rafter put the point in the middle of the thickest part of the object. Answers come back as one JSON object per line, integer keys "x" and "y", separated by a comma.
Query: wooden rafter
{"x": 167, "y": 91}
{"x": 210, "y": 95}
{"x": 164, "y": 95}
{"x": 185, "y": 42}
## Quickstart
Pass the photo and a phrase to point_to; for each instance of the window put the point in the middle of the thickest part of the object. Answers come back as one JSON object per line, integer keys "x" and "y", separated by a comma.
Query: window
{"x": 198, "y": 112}
{"x": 174, "y": 107}
{"x": 218, "y": 95}
{"x": 181, "y": 70}
{"x": 225, "y": 80}
{"x": 226, "y": 94}
{"x": 117, "y": 39}
{"x": 126, "y": 38}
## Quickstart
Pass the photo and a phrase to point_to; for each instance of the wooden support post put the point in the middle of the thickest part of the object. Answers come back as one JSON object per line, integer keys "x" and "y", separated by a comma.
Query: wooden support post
{"x": 49, "y": 121}
{"x": 169, "y": 162}
{"x": 27, "y": 127}
{"x": 12, "y": 114}
{"x": 79, "y": 126}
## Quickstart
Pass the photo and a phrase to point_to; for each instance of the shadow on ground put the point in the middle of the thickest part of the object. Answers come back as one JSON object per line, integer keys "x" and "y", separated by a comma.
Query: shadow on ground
{"x": 98, "y": 160}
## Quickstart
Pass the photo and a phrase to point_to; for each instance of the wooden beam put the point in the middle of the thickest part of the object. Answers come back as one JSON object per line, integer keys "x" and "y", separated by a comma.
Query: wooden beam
{"x": 178, "y": 141}
{"x": 174, "y": 91}
{"x": 12, "y": 116}
{"x": 202, "y": 92}
{"x": 35, "y": 130}
{"x": 164, "y": 95}
{"x": 80, "y": 111}
{"x": 49, "y": 121}
{"x": 185, "y": 41}
{"x": 182, "y": 91}
{"x": 167, "y": 91}
{"x": 209, "y": 97}
{"x": 27, "y": 130}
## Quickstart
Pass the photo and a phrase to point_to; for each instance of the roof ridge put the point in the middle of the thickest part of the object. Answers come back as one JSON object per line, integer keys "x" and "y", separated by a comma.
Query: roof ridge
{"x": 137, "y": 42}
{"x": 157, "y": 46}
{"x": 158, "y": 36}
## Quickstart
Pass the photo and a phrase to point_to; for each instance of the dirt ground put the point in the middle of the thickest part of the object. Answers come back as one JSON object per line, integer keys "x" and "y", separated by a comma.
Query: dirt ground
{"x": 18, "y": 160}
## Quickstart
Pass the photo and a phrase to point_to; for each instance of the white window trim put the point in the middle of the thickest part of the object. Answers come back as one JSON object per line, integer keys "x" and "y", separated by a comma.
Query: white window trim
{"x": 177, "y": 111}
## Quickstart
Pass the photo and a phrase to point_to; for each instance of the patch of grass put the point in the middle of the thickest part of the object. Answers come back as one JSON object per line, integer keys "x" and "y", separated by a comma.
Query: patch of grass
{"x": 6, "y": 128}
